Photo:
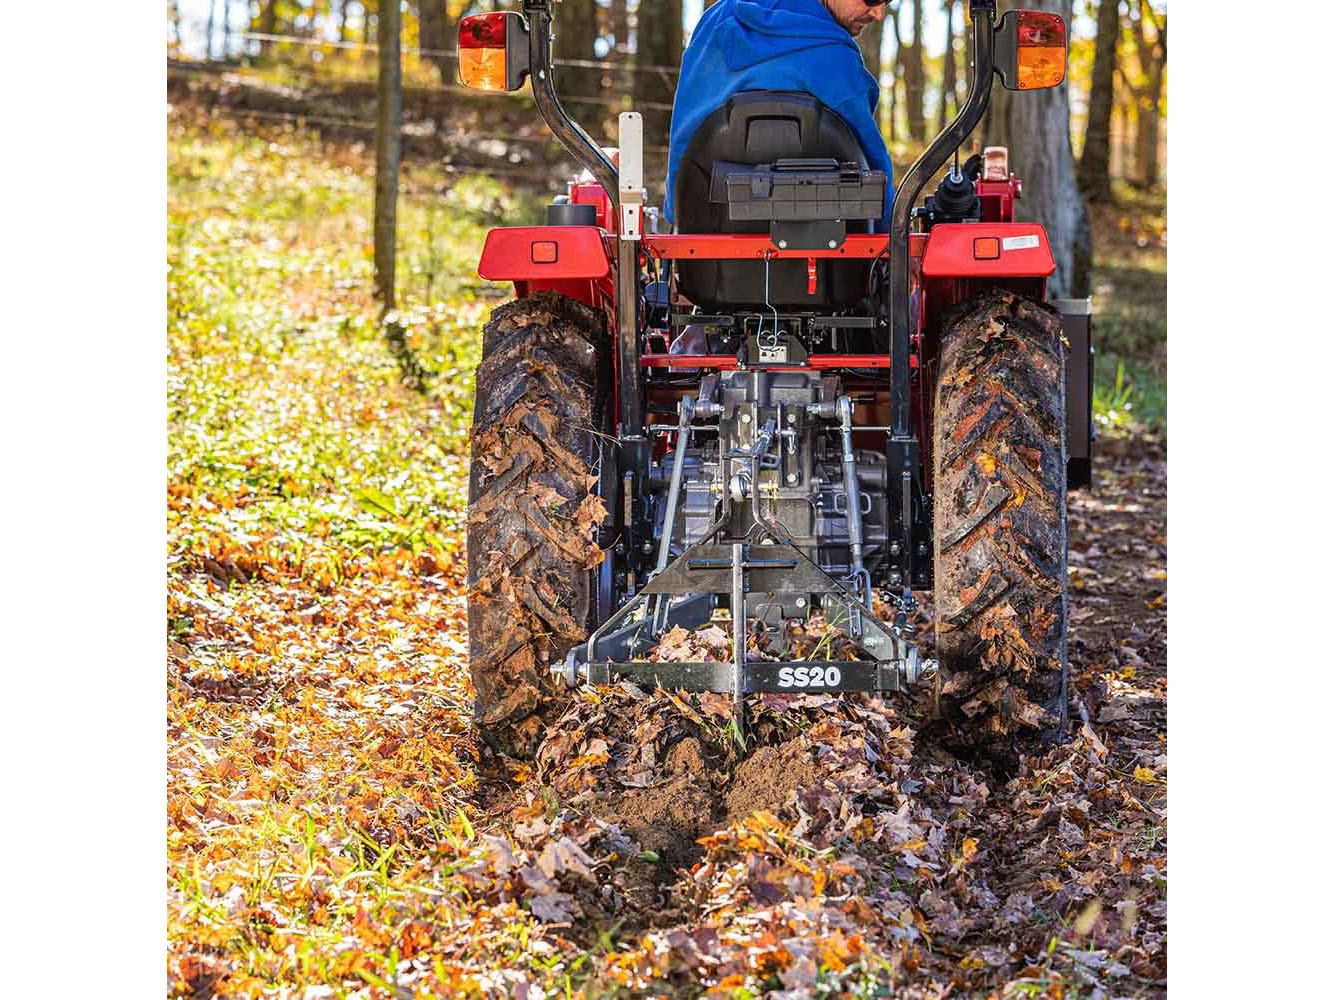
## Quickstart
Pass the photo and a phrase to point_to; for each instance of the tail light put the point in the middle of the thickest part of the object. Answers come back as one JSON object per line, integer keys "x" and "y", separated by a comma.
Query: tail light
{"x": 493, "y": 51}
{"x": 1030, "y": 49}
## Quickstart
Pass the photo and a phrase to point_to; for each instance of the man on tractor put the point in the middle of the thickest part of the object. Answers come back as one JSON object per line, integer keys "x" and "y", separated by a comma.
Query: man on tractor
{"x": 791, "y": 45}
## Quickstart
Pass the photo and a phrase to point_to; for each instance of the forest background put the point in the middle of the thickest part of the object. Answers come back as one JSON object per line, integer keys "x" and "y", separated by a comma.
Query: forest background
{"x": 288, "y": 62}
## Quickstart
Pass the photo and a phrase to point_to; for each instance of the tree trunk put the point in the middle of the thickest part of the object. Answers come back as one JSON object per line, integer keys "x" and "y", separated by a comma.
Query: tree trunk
{"x": 620, "y": 29}
{"x": 268, "y": 24}
{"x": 658, "y": 35}
{"x": 366, "y": 17}
{"x": 895, "y": 73}
{"x": 433, "y": 34}
{"x": 996, "y": 124}
{"x": 576, "y": 26}
{"x": 949, "y": 79}
{"x": 1148, "y": 105}
{"x": 388, "y": 149}
{"x": 342, "y": 20}
{"x": 1120, "y": 160}
{"x": 1042, "y": 157}
{"x": 212, "y": 24}
{"x": 1095, "y": 162}
{"x": 871, "y": 42}
{"x": 914, "y": 78}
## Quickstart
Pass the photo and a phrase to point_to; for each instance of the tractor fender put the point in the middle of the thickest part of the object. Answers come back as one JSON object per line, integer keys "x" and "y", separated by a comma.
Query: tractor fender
{"x": 988, "y": 250}
{"x": 544, "y": 254}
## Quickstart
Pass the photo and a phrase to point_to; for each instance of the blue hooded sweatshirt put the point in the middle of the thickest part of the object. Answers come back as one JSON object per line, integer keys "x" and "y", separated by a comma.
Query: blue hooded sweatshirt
{"x": 775, "y": 45}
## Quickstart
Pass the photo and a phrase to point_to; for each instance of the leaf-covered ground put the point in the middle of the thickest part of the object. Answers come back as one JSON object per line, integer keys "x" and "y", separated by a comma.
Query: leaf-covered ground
{"x": 333, "y": 829}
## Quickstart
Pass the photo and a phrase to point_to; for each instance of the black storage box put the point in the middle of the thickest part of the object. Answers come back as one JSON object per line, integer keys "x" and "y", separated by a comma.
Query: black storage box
{"x": 804, "y": 190}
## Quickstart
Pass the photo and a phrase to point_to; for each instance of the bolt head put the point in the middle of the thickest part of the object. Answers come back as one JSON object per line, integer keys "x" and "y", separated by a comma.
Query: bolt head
{"x": 745, "y": 418}
{"x": 833, "y": 244}
{"x": 791, "y": 418}
{"x": 792, "y": 477}
{"x": 801, "y": 602}
{"x": 782, "y": 244}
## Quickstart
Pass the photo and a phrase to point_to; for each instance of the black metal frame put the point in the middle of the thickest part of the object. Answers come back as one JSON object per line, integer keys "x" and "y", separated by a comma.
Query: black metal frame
{"x": 903, "y": 449}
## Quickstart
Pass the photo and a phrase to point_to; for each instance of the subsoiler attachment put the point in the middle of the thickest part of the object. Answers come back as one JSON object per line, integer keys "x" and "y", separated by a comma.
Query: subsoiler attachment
{"x": 765, "y": 506}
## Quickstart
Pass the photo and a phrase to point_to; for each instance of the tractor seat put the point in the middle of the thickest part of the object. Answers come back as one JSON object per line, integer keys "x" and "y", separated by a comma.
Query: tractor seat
{"x": 754, "y": 127}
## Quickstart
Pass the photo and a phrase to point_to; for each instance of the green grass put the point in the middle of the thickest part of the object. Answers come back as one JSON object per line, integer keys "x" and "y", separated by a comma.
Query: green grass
{"x": 1130, "y": 314}
{"x": 285, "y": 395}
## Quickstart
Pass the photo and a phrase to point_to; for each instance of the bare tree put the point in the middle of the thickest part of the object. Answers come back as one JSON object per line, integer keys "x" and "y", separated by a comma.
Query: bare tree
{"x": 949, "y": 79}
{"x": 388, "y": 149}
{"x": 1039, "y": 122}
{"x": 1095, "y": 162}
{"x": 620, "y": 28}
{"x": 871, "y": 42}
{"x": 433, "y": 33}
{"x": 1148, "y": 92}
{"x": 341, "y": 16}
{"x": 212, "y": 25}
{"x": 996, "y": 125}
{"x": 268, "y": 24}
{"x": 914, "y": 77}
{"x": 658, "y": 34}
{"x": 576, "y": 28}
{"x": 895, "y": 74}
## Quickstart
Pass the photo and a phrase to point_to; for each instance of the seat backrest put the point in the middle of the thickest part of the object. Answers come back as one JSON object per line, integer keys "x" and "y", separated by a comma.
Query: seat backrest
{"x": 760, "y": 126}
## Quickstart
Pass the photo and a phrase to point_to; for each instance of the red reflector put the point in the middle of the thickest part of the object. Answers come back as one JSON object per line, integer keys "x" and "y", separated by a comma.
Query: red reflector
{"x": 482, "y": 31}
{"x": 1039, "y": 29}
{"x": 986, "y": 248}
{"x": 544, "y": 252}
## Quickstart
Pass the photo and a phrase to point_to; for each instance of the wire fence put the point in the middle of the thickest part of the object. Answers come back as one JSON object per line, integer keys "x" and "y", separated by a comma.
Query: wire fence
{"x": 408, "y": 88}
{"x": 542, "y": 175}
{"x": 410, "y": 130}
{"x": 619, "y": 65}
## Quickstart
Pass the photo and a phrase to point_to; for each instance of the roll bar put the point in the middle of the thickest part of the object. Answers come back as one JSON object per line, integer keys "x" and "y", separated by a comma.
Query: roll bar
{"x": 585, "y": 151}
{"x": 906, "y": 194}
{"x": 572, "y": 136}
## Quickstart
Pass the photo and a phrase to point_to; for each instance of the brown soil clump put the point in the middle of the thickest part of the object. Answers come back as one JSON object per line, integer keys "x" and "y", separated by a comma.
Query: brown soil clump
{"x": 768, "y": 779}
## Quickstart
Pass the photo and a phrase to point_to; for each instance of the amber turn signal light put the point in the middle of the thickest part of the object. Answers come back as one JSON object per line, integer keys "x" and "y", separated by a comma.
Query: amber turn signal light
{"x": 1041, "y": 38}
{"x": 1030, "y": 48}
{"x": 493, "y": 51}
{"x": 482, "y": 52}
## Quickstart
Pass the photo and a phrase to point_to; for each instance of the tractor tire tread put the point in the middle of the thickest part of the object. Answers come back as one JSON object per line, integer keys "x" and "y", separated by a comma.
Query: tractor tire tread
{"x": 1000, "y": 520}
{"x": 533, "y": 510}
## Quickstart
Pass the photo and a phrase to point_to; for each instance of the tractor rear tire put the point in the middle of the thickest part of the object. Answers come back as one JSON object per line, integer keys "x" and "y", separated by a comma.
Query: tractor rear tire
{"x": 533, "y": 513}
{"x": 1000, "y": 522}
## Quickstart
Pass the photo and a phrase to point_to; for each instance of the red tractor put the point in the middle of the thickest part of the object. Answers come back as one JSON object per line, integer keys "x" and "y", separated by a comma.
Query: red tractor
{"x": 775, "y": 410}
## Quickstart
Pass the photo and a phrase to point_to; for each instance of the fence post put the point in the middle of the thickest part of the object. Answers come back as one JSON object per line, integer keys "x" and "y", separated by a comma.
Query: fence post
{"x": 388, "y": 149}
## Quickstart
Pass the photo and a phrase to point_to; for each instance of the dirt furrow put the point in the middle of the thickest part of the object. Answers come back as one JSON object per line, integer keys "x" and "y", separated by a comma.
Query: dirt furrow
{"x": 847, "y": 841}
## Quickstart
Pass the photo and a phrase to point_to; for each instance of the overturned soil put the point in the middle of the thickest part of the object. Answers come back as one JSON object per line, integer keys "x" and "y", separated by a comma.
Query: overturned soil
{"x": 844, "y": 845}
